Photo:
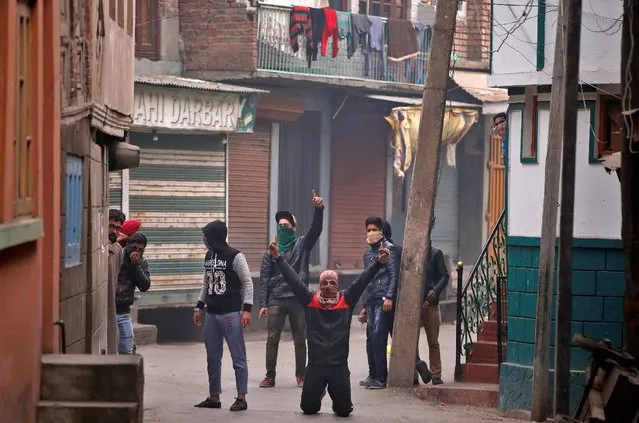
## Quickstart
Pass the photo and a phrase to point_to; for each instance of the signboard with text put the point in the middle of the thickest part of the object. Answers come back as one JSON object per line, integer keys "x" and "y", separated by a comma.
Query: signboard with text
{"x": 188, "y": 109}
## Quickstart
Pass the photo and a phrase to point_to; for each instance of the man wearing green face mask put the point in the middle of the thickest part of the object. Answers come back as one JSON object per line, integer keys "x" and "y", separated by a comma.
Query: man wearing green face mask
{"x": 277, "y": 300}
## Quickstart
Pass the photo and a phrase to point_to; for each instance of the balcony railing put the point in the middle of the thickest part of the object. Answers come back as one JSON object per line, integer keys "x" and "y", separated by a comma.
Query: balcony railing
{"x": 471, "y": 49}
{"x": 275, "y": 53}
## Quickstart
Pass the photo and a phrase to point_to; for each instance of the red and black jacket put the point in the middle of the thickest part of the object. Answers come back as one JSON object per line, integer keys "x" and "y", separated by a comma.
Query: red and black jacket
{"x": 328, "y": 329}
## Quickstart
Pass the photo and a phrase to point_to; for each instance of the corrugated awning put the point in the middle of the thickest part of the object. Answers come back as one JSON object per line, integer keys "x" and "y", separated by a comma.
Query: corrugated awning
{"x": 194, "y": 84}
{"x": 415, "y": 101}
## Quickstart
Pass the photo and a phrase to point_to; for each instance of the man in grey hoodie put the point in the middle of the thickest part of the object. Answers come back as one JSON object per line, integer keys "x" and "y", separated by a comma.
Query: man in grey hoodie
{"x": 227, "y": 292}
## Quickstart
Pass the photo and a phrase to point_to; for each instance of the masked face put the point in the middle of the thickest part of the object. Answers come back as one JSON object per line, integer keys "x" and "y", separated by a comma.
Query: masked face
{"x": 285, "y": 237}
{"x": 328, "y": 289}
{"x": 373, "y": 234}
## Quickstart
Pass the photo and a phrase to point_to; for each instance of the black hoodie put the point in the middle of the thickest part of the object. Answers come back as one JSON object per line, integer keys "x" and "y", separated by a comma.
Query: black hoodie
{"x": 227, "y": 286}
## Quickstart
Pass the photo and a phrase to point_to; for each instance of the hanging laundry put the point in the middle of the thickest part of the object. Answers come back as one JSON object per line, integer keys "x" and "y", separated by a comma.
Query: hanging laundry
{"x": 345, "y": 33}
{"x": 360, "y": 27}
{"x": 318, "y": 23}
{"x": 330, "y": 30}
{"x": 299, "y": 24}
{"x": 402, "y": 41}
{"x": 423, "y": 32}
{"x": 377, "y": 39}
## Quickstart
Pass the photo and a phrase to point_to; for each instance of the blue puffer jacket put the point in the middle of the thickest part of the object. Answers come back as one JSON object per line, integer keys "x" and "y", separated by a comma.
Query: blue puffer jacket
{"x": 385, "y": 282}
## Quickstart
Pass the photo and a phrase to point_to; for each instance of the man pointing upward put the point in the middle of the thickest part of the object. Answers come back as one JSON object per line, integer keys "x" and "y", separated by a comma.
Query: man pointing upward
{"x": 277, "y": 300}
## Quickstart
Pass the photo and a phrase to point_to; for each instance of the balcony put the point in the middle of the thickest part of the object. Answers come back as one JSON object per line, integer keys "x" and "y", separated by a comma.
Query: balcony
{"x": 275, "y": 55}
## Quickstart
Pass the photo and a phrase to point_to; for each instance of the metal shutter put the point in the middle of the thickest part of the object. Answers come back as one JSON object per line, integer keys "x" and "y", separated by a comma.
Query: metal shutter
{"x": 446, "y": 231}
{"x": 178, "y": 188}
{"x": 358, "y": 187}
{"x": 249, "y": 187}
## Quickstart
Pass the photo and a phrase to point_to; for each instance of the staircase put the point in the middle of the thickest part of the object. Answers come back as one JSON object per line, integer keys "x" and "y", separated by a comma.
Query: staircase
{"x": 481, "y": 306}
{"x": 82, "y": 388}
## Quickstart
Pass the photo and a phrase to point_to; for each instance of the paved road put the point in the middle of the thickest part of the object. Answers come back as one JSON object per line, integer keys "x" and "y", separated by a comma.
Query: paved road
{"x": 176, "y": 379}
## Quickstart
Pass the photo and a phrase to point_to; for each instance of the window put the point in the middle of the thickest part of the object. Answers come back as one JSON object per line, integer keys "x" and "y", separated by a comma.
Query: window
{"x": 121, "y": 11}
{"x": 23, "y": 141}
{"x": 610, "y": 124}
{"x": 530, "y": 129}
{"x": 146, "y": 29}
{"x": 341, "y": 5}
{"x": 397, "y": 9}
{"x": 74, "y": 206}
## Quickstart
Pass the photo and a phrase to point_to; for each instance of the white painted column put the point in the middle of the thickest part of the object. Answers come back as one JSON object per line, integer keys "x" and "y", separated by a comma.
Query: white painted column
{"x": 274, "y": 179}
{"x": 325, "y": 182}
{"x": 125, "y": 192}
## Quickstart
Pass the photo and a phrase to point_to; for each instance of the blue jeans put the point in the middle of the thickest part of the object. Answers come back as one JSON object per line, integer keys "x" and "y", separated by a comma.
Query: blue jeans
{"x": 125, "y": 327}
{"x": 379, "y": 325}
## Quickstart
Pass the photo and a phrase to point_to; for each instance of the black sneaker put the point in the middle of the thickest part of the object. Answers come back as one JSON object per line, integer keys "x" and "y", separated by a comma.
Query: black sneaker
{"x": 437, "y": 381}
{"x": 376, "y": 384}
{"x": 366, "y": 381}
{"x": 424, "y": 373}
{"x": 239, "y": 405}
{"x": 209, "y": 403}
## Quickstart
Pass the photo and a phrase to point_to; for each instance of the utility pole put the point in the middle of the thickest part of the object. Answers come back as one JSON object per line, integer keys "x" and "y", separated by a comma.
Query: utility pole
{"x": 541, "y": 363}
{"x": 630, "y": 170}
{"x": 421, "y": 202}
{"x": 567, "y": 216}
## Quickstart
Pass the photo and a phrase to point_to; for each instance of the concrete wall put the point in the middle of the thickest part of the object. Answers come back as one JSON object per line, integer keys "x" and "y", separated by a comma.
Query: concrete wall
{"x": 597, "y": 194}
{"x": 598, "y": 260}
{"x": 170, "y": 60}
{"x": 514, "y": 59}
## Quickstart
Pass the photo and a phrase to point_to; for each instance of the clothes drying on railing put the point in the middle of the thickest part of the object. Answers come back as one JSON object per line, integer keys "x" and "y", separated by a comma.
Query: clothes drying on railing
{"x": 402, "y": 40}
{"x": 392, "y": 39}
{"x": 377, "y": 42}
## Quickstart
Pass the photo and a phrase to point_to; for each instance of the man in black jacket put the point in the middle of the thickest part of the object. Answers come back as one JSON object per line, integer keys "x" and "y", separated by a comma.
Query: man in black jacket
{"x": 380, "y": 298}
{"x": 134, "y": 273}
{"x": 277, "y": 300}
{"x": 436, "y": 280}
{"x": 328, "y": 314}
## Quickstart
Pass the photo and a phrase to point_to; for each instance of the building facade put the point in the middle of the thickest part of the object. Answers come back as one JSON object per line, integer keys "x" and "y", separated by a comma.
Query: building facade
{"x": 321, "y": 126}
{"x": 96, "y": 88}
{"x": 524, "y": 66}
{"x": 29, "y": 199}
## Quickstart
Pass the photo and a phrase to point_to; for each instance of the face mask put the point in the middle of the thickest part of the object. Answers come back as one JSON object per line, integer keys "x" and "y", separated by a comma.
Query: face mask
{"x": 113, "y": 238}
{"x": 373, "y": 237}
{"x": 328, "y": 294}
{"x": 285, "y": 238}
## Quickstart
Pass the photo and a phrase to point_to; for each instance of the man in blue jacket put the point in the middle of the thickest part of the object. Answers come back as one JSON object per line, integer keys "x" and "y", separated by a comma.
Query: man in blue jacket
{"x": 380, "y": 298}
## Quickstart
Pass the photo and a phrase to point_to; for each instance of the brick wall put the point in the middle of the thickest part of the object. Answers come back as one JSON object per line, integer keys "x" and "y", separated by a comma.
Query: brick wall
{"x": 597, "y": 310}
{"x": 218, "y": 35}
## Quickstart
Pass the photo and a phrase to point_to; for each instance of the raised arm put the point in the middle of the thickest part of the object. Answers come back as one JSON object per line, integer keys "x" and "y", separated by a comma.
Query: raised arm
{"x": 302, "y": 292}
{"x": 355, "y": 291}
{"x": 317, "y": 224}
{"x": 266, "y": 271}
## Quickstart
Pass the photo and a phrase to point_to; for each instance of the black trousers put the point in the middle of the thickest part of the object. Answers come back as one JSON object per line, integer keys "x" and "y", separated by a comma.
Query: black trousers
{"x": 337, "y": 379}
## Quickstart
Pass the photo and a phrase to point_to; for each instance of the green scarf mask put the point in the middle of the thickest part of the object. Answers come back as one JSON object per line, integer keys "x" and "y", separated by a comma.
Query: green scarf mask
{"x": 285, "y": 238}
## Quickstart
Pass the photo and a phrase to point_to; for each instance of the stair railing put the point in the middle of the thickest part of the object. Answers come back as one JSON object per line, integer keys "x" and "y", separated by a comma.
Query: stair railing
{"x": 478, "y": 295}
